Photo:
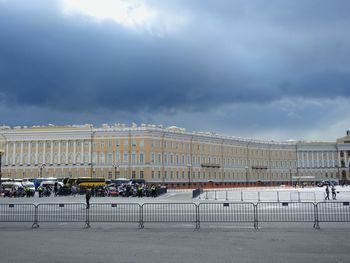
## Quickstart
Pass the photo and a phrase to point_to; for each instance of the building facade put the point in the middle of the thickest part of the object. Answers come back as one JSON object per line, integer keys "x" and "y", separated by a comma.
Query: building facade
{"x": 167, "y": 155}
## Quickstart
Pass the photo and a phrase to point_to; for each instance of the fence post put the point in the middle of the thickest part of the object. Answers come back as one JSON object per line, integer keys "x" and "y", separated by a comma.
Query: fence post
{"x": 316, "y": 224}
{"x": 141, "y": 225}
{"x": 241, "y": 196}
{"x": 258, "y": 196}
{"x": 215, "y": 195}
{"x": 278, "y": 196}
{"x": 87, "y": 220}
{"x": 256, "y": 223}
{"x": 197, "y": 217}
{"x": 35, "y": 224}
{"x": 226, "y": 196}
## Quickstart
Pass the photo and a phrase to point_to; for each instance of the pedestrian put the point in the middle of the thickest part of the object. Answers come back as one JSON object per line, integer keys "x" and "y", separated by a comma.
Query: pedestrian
{"x": 327, "y": 193}
{"x": 153, "y": 191}
{"x": 55, "y": 188}
{"x": 40, "y": 191}
{"x": 334, "y": 194}
{"x": 88, "y": 196}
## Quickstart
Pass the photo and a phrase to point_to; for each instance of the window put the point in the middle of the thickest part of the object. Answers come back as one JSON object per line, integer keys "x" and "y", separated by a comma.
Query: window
{"x": 133, "y": 158}
{"x": 117, "y": 143}
{"x": 142, "y": 143}
{"x": 141, "y": 174}
{"x": 165, "y": 158}
{"x": 152, "y": 174}
{"x": 141, "y": 158}
{"x": 152, "y": 157}
{"x": 125, "y": 158}
{"x": 110, "y": 157}
{"x": 133, "y": 174}
{"x": 117, "y": 157}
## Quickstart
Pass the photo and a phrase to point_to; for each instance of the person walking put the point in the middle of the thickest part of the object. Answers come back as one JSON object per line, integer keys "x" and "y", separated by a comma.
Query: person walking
{"x": 327, "y": 193}
{"x": 334, "y": 194}
{"x": 55, "y": 188}
{"x": 88, "y": 197}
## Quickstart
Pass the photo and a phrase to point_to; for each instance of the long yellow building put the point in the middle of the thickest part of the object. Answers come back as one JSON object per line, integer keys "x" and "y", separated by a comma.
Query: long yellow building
{"x": 166, "y": 155}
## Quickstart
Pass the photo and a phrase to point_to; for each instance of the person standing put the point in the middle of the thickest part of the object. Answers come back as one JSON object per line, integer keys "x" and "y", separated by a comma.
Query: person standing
{"x": 334, "y": 194}
{"x": 55, "y": 188}
{"x": 88, "y": 197}
{"x": 327, "y": 193}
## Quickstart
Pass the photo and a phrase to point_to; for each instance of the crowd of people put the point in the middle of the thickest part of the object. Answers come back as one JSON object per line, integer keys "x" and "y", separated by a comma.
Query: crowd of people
{"x": 124, "y": 190}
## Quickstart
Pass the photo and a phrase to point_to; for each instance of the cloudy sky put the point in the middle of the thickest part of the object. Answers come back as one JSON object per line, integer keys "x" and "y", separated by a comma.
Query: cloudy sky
{"x": 260, "y": 69}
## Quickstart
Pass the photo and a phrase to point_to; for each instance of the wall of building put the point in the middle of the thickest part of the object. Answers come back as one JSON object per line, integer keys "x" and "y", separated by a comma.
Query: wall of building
{"x": 166, "y": 155}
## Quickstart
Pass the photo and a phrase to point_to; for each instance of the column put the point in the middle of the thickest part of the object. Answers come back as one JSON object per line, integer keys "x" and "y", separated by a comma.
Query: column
{"x": 21, "y": 155}
{"x": 29, "y": 152}
{"x": 67, "y": 145}
{"x": 51, "y": 158}
{"x": 333, "y": 161}
{"x": 74, "y": 152}
{"x": 82, "y": 152}
{"x": 36, "y": 152}
{"x": 14, "y": 154}
{"x": 90, "y": 161}
{"x": 44, "y": 152}
{"x": 7, "y": 153}
{"x": 59, "y": 153}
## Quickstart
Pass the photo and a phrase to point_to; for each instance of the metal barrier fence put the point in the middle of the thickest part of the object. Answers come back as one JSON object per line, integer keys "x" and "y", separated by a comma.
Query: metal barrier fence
{"x": 114, "y": 212}
{"x": 286, "y": 212}
{"x": 226, "y": 213}
{"x": 262, "y": 196}
{"x": 169, "y": 212}
{"x": 17, "y": 213}
{"x": 333, "y": 212}
{"x": 213, "y": 212}
{"x": 71, "y": 212}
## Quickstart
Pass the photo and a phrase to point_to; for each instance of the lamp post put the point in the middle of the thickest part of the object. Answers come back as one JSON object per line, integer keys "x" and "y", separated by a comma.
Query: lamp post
{"x": 189, "y": 174}
{"x": 115, "y": 166}
{"x": 246, "y": 175}
{"x": 41, "y": 170}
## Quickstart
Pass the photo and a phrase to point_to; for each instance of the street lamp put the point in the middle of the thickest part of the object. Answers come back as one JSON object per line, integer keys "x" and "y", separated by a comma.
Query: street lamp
{"x": 41, "y": 170}
{"x": 246, "y": 175}
{"x": 115, "y": 166}
{"x": 189, "y": 174}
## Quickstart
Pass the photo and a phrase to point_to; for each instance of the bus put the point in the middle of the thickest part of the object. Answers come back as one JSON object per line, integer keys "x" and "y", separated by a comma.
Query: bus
{"x": 90, "y": 182}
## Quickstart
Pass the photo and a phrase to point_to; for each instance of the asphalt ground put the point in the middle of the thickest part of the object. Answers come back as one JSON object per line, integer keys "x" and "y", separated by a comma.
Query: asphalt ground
{"x": 160, "y": 243}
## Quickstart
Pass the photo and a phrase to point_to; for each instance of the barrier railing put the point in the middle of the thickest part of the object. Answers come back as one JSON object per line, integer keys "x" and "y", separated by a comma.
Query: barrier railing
{"x": 114, "y": 212}
{"x": 291, "y": 195}
{"x": 68, "y": 212}
{"x": 333, "y": 212}
{"x": 210, "y": 212}
{"x": 286, "y": 212}
{"x": 169, "y": 212}
{"x": 226, "y": 213}
{"x": 17, "y": 213}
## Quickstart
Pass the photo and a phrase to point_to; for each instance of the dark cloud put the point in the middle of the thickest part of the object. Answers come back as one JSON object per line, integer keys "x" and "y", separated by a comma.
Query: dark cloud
{"x": 226, "y": 53}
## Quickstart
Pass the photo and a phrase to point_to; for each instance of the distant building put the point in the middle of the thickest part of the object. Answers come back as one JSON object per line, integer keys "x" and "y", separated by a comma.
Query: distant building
{"x": 167, "y": 155}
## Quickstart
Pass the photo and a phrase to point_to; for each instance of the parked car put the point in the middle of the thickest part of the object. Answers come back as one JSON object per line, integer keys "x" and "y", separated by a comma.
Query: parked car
{"x": 112, "y": 191}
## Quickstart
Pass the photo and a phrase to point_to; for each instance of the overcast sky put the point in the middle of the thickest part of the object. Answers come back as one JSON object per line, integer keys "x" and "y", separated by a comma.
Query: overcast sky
{"x": 258, "y": 69}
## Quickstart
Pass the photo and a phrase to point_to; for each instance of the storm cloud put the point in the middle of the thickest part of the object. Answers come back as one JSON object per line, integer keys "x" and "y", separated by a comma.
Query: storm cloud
{"x": 272, "y": 65}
